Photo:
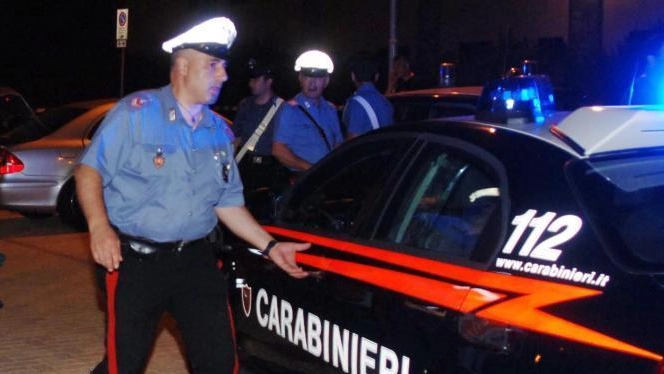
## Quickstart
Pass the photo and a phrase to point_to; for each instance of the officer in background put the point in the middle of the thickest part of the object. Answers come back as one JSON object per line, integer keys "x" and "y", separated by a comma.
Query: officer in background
{"x": 156, "y": 179}
{"x": 648, "y": 87}
{"x": 253, "y": 124}
{"x": 262, "y": 174}
{"x": 401, "y": 78}
{"x": 308, "y": 126}
{"x": 367, "y": 109}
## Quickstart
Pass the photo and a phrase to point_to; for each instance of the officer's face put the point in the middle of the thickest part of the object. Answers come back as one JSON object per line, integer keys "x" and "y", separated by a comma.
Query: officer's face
{"x": 260, "y": 85}
{"x": 312, "y": 87}
{"x": 204, "y": 77}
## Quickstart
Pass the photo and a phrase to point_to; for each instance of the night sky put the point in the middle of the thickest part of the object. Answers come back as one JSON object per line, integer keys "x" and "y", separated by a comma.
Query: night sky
{"x": 56, "y": 52}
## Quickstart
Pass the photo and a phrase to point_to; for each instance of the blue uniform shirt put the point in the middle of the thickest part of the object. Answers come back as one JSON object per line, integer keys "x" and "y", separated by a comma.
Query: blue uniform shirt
{"x": 295, "y": 130}
{"x": 174, "y": 201}
{"x": 355, "y": 117}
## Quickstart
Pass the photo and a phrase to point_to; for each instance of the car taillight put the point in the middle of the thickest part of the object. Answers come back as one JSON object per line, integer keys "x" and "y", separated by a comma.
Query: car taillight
{"x": 9, "y": 163}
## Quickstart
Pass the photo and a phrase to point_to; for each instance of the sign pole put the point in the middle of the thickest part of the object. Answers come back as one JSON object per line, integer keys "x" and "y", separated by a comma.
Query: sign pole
{"x": 122, "y": 70}
{"x": 121, "y": 33}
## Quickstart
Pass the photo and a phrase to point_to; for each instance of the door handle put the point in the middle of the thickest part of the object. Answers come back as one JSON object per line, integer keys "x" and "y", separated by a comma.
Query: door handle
{"x": 430, "y": 309}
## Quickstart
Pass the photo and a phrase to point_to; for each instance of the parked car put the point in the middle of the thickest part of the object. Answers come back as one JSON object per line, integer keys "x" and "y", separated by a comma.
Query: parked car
{"x": 519, "y": 240}
{"x": 36, "y": 178}
{"x": 431, "y": 103}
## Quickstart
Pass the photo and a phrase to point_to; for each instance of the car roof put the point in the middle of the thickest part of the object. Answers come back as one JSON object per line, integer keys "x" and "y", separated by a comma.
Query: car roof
{"x": 72, "y": 130}
{"x": 583, "y": 133}
{"x": 89, "y": 104}
{"x": 608, "y": 129}
{"x": 448, "y": 91}
{"x": 8, "y": 91}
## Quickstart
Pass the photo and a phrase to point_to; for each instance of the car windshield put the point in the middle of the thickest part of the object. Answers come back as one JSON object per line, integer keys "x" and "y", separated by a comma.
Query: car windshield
{"x": 624, "y": 198}
{"x": 13, "y": 112}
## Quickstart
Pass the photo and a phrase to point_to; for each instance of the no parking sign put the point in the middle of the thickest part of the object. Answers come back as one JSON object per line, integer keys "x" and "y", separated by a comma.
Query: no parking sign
{"x": 122, "y": 27}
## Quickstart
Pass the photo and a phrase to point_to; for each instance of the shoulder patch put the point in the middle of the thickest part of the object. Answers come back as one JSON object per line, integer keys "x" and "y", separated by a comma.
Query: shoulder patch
{"x": 139, "y": 100}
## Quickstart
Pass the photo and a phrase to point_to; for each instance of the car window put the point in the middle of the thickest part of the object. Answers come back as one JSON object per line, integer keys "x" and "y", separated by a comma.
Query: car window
{"x": 445, "y": 205}
{"x": 411, "y": 111}
{"x": 623, "y": 198}
{"x": 334, "y": 196}
{"x": 95, "y": 127}
{"x": 13, "y": 112}
{"x": 421, "y": 108}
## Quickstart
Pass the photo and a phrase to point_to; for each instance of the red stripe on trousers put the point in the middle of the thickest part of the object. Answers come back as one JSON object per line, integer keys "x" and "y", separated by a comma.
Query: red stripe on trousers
{"x": 236, "y": 364}
{"x": 111, "y": 351}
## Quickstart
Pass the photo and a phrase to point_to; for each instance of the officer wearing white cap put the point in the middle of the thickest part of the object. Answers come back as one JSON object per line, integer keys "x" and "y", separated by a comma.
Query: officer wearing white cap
{"x": 308, "y": 126}
{"x": 156, "y": 179}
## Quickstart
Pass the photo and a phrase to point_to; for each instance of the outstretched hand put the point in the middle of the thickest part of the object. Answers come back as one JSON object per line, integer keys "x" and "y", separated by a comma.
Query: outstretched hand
{"x": 283, "y": 255}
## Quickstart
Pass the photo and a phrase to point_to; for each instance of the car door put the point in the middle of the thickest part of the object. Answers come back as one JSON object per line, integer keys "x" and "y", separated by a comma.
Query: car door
{"x": 441, "y": 227}
{"x": 396, "y": 233}
{"x": 313, "y": 325}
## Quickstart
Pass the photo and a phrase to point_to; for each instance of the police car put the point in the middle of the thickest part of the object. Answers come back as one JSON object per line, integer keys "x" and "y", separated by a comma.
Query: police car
{"x": 519, "y": 240}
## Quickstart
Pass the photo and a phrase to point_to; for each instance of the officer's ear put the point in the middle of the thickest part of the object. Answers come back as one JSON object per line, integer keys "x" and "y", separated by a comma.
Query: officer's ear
{"x": 180, "y": 62}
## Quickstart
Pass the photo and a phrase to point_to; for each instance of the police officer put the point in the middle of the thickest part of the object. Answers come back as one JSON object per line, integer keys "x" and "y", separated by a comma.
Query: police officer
{"x": 401, "y": 77}
{"x": 156, "y": 178}
{"x": 262, "y": 174}
{"x": 308, "y": 126}
{"x": 367, "y": 109}
{"x": 252, "y": 126}
{"x": 648, "y": 88}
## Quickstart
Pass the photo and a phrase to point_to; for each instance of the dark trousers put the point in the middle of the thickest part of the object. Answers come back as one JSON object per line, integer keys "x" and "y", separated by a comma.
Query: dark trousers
{"x": 187, "y": 284}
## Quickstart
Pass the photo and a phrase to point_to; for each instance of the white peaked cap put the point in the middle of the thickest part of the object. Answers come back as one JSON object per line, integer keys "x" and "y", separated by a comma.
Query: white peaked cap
{"x": 314, "y": 63}
{"x": 214, "y": 37}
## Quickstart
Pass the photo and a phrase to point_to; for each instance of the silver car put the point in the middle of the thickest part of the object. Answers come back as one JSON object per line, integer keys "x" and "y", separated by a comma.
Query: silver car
{"x": 36, "y": 178}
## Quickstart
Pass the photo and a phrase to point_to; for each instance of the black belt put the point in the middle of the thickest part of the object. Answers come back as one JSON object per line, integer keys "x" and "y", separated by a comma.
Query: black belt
{"x": 144, "y": 246}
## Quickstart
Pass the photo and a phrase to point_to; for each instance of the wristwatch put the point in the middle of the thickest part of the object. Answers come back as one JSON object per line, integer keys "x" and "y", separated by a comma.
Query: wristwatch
{"x": 266, "y": 252}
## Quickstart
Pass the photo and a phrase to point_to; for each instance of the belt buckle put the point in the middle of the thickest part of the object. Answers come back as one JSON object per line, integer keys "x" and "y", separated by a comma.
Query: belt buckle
{"x": 141, "y": 248}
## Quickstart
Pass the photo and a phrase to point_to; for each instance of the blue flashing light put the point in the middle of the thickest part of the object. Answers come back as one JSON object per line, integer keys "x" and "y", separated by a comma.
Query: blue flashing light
{"x": 517, "y": 99}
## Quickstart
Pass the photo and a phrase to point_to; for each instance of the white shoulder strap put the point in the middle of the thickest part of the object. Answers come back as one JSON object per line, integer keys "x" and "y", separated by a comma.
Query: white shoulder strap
{"x": 250, "y": 145}
{"x": 369, "y": 110}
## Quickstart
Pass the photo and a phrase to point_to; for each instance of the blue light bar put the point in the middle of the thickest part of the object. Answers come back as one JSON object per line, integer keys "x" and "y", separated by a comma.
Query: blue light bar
{"x": 517, "y": 99}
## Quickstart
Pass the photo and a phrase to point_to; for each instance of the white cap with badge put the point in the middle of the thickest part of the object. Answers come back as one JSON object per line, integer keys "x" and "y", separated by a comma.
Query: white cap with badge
{"x": 213, "y": 37}
{"x": 314, "y": 64}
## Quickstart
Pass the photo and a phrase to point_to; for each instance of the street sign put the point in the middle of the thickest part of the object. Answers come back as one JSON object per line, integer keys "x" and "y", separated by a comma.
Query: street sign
{"x": 122, "y": 27}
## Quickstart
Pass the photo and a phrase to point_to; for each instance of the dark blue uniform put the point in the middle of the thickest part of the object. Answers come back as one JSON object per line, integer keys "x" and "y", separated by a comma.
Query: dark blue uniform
{"x": 249, "y": 116}
{"x": 355, "y": 117}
